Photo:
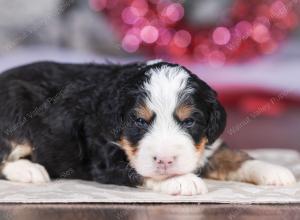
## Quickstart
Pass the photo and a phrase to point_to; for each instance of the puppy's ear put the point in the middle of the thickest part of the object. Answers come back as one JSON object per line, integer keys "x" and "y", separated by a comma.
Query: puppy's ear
{"x": 217, "y": 117}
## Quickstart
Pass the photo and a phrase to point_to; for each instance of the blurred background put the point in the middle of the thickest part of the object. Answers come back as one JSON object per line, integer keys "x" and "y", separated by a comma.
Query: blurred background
{"x": 247, "y": 50}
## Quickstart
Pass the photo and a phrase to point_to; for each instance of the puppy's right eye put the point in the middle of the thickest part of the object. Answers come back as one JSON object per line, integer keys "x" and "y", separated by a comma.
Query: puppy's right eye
{"x": 189, "y": 122}
{"x": 141, "y": 122}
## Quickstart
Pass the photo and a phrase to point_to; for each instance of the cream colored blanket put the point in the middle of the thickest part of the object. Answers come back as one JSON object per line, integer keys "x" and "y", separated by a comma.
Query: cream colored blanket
{"x": 76, "y": 191}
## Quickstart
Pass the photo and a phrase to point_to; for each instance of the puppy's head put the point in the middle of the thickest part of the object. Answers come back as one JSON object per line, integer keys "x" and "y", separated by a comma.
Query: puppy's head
{"x": 174, "y": 116}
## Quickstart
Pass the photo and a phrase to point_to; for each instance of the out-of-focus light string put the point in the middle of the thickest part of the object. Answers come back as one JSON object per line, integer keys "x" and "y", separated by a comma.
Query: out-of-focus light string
{"x": 158, "y": 26}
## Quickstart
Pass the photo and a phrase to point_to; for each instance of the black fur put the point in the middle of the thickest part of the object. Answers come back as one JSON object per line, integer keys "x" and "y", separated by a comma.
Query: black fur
{"x": 212, "y": 118}
{"x": 73, "y": 114}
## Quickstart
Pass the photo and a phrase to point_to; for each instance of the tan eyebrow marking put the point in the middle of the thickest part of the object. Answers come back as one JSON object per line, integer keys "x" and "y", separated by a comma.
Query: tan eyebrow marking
{"x": 184, "y": 111}
{"x": 144, "y": 112}
{"x": 128, "y": 147}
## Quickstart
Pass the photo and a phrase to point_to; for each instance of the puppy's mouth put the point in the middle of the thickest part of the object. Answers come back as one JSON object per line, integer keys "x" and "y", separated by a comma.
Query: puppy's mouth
{"x": 161, "y": 175}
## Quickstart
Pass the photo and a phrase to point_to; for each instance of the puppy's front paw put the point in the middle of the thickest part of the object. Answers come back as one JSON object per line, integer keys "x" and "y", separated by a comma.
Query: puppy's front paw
{"x": 25, "y": 171}
{"x": 187, "y": 185}
{"x": 263, "y": 173}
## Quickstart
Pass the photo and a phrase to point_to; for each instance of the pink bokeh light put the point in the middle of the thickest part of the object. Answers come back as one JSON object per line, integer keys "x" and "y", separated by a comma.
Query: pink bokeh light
{"x": 130, "y": 15}
{"x": 174, "y": 12}
{"x": 182, "y": 38}
{"x": 130, "y": 43}
{"x": 141, "y": 6}
{"x": 244, "y": 28}
{"x": 221, "y": 35}
{"x": 278, "y": 10}
{"x": 260, "y": 33}
{"x": 149, "y": 34}
{"x": 165, "y": 36}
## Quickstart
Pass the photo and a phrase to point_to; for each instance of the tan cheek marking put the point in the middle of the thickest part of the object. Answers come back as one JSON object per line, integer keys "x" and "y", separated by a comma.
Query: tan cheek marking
{"x": 144, "y": 112}
{"x": 19, "y": 151}
{"x": 201, "y": 146}
{"x": 129, "y": 149}
{"x": 184, "y": 111}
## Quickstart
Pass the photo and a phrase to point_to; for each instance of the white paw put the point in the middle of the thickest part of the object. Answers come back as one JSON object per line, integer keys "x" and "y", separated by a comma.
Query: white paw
{"x": 274, "y": 175}
{"x": 263, "y": 173}
{"x": 187, "y": 185}
{"x": 25, "y": 171}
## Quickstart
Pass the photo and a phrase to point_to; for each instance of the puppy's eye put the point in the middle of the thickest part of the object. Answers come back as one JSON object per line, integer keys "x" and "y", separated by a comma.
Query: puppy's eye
{"x": 189, "y": 122}
{"x": 141, "y": 122}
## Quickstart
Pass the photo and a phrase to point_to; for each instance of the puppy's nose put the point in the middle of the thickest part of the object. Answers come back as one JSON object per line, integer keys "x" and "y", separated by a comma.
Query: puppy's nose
{"x": 164, "y": 162}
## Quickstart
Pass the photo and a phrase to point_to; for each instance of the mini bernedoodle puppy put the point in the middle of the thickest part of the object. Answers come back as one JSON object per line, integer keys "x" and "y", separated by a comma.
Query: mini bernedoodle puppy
{"x": 153, "y": 125}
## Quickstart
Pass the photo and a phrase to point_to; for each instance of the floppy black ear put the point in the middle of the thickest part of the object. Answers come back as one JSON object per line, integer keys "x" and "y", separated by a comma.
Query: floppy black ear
{"x": 216, "y": 113}
{"x": 217, "y": 117}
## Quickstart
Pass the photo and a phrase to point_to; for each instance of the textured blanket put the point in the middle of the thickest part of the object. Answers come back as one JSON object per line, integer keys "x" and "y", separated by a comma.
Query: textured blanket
{"x": 76, "y": 191}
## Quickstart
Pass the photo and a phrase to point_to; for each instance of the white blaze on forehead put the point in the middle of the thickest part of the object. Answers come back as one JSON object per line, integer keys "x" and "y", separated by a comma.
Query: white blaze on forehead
{"x": 164, "y": 87}
{"x": 151, "y": 62}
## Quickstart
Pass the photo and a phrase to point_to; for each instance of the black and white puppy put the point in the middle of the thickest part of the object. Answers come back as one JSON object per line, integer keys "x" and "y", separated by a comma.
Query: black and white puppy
{"x": 151, "y": 124}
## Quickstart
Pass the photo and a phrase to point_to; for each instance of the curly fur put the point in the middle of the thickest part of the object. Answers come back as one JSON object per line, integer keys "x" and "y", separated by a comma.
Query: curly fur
{"x": 82, "y": 117}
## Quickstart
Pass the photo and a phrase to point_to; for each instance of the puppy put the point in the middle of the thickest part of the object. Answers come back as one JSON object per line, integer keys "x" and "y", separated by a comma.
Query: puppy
{"x": 154, "y": 125}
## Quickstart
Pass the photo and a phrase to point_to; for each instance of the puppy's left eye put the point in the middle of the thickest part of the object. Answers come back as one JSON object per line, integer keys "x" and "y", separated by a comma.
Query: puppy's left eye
{"x": 141, "y": 122}
{"x": 189, "y": 122}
